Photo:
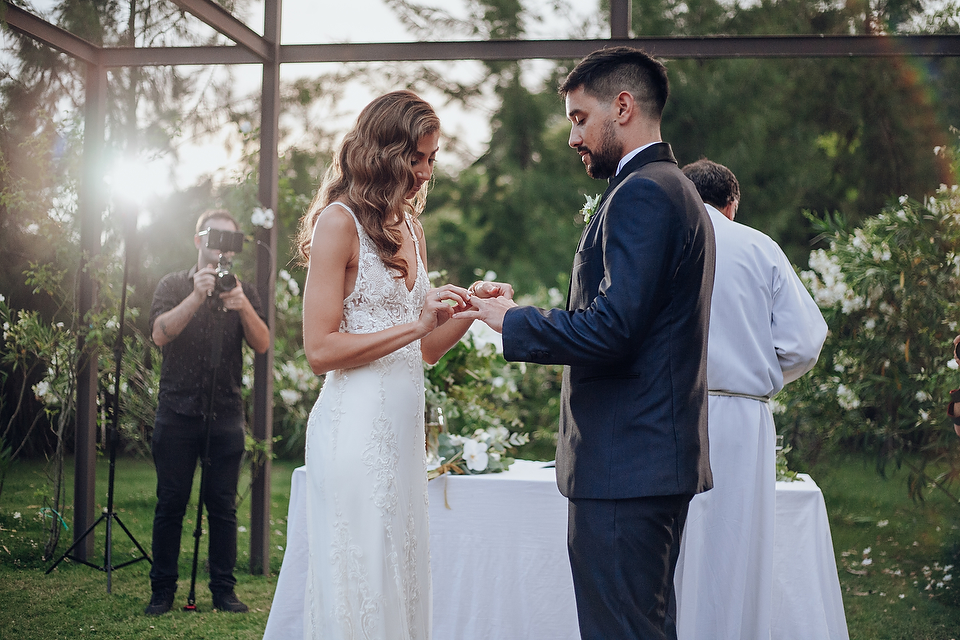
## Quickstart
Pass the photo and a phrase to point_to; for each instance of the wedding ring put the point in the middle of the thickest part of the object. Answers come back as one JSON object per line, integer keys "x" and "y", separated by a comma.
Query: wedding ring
{"x": 438, "y": 296}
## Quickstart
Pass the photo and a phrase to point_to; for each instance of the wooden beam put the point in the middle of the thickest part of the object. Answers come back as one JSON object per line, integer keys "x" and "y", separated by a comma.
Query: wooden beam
{"x": 695, "y": 47}
{"x": 223, "y": 21}
{"x": 170, "y": 56}
{"x": 266, "y": 247}
{"x": 50, "y": 35}
{"x": 620, "y": 14}
{"x": 91, "y": 205}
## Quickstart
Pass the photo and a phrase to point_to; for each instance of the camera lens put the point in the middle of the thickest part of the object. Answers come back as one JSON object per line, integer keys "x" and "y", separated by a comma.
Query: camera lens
{"x": 226, "y": 281}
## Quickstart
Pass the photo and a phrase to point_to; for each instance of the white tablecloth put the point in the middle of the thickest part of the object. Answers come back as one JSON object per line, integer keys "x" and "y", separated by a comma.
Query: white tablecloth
{"x": 499, "y": 561}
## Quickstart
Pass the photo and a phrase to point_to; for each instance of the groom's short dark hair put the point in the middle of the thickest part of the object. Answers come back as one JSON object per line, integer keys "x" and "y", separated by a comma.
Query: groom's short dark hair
{"x": 606, "y": 72}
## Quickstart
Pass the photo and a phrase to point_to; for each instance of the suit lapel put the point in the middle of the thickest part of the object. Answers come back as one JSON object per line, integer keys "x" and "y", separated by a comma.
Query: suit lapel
{"x": 657, "y": 152}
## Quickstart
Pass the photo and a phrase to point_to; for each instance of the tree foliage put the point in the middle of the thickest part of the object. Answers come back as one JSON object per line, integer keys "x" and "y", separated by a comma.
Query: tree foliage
{"x": 886, "y": 290}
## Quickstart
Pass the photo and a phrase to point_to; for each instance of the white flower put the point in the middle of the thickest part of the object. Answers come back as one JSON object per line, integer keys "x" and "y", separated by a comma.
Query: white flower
{"x": 242, "y": 529}
{"x": 41, "y": 389}
{"x": 245, "y": 126}
{"x": 923, "y": 396}
{"x": 867, "y": 551}
{"x": 290, "y": 396}
{"x": 16, "y": 515}
{"x": 847, "y": 398}
{"x": 866, "y": 562}
{"x": 292, "y": 284}
{"x": 262, "y": 218}
{"x": 475, "y": 455}
{"x": 2, "y": 299}
{"x": 499, "y": 432}
{"x": 883, "y": 523}
{"x": 952, "y": 364}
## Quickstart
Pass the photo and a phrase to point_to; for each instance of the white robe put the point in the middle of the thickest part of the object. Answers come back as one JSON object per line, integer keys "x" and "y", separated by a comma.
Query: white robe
{"x": 765, "y": 331}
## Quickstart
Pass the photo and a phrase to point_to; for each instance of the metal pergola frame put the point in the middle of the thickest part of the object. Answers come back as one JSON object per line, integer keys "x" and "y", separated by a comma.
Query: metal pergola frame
{"x": 266, "y": 50}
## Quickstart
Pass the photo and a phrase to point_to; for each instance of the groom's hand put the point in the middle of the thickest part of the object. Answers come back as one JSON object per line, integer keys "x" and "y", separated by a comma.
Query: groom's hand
{"x": 486, "y": 289}
{"x": 489, "y": 310}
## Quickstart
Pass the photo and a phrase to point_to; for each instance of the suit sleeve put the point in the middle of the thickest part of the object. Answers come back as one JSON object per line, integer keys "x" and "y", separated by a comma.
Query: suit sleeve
{"x": 639, "y": 245}
{"x": 797, "y": 326}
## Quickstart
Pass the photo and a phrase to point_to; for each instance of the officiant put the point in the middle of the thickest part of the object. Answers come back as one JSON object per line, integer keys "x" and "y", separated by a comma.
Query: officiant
{"x": 765, "y": 331}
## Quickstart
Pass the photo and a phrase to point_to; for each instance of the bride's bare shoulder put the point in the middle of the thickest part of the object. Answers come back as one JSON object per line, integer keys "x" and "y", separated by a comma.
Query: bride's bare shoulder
{"x": 334, "y": 220}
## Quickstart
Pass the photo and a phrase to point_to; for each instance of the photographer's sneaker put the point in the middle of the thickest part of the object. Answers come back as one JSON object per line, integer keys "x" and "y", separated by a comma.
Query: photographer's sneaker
{"x": 229, "y": 602}
{"x": 160, "y": 602}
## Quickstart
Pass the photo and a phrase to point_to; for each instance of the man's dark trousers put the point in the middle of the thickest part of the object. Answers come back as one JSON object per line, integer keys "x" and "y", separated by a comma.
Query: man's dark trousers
{"x": 621, "y": 551}
{"x": 178, "y": 444}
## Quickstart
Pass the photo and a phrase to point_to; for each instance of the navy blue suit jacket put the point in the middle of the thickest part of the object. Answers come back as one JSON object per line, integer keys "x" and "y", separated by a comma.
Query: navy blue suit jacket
{"x": 633, "y": 420}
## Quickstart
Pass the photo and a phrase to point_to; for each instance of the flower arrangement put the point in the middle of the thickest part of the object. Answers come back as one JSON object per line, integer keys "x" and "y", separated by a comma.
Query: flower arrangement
{"x": 486, "y": 451}
{"x": 472, "y": 394}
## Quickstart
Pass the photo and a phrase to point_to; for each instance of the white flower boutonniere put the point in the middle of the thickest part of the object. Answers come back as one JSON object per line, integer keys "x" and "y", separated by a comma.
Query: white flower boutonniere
{"x": 590, "y": 207}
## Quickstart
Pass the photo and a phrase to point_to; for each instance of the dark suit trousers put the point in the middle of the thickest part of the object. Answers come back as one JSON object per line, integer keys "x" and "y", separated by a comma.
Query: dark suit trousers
{"x": 623, "y": 554}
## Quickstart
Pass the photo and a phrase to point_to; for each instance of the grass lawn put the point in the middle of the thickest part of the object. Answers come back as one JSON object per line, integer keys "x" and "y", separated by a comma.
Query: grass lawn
{"x": 896, "y": 561}
{"x": 899, "y": 561}
{"x": 72, "y": 601}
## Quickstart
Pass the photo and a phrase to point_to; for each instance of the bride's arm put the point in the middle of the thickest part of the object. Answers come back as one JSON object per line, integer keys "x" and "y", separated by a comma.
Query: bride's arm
{"x": 334, "y": 248}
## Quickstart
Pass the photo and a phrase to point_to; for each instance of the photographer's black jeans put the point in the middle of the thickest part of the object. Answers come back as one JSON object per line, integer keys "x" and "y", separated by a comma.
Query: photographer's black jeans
{"x": 178, "y": 444}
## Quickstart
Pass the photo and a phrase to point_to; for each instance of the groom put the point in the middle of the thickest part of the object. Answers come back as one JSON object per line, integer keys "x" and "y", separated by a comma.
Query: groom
{"x": 632, "y": 447}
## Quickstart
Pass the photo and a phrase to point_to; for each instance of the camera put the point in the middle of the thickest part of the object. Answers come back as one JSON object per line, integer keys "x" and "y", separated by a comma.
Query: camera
{"x": 225, "y": 280}
{"x": 224, "y": 242}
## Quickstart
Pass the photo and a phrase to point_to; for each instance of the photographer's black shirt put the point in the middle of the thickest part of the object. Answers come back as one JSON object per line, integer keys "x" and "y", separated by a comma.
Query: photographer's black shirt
{"x": 187, "y": 372}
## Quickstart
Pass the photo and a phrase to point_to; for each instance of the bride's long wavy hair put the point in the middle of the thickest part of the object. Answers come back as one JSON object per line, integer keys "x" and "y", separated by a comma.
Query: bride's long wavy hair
{"x": 372, "y": 174}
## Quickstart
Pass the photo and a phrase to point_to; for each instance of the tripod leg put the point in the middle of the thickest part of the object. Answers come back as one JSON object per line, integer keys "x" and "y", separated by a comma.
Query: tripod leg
{"x": 75, "y": 544}
{"x": 134, "y": 540}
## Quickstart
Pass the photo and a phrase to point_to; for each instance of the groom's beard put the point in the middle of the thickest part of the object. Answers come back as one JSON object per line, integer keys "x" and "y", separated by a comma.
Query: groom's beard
{"x": 605, "y": 158}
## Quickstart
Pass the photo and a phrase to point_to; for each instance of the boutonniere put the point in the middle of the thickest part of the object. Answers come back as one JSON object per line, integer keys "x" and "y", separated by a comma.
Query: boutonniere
{"x": 590, "y": 207}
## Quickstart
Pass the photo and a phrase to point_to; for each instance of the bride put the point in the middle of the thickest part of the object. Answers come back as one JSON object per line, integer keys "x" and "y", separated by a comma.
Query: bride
{"x": 369, "y": 320}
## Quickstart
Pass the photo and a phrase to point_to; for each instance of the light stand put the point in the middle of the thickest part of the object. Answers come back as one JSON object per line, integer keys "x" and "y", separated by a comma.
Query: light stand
{"x": 113, "y": 437}
{"x": 216, "y": 347}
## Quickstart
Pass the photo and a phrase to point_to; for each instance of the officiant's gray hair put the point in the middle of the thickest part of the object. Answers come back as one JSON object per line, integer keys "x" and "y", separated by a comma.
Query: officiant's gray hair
{"x": 605, "y": 73}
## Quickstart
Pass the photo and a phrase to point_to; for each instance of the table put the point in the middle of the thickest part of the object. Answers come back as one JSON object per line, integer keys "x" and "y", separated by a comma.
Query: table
{"x": 499, "y": 561}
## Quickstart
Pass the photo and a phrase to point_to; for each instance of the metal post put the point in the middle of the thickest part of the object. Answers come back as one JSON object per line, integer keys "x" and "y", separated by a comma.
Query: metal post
{"x": 620, "y": 13}
{"x": 266, "y": 282}
{"x": 91, "y": 206}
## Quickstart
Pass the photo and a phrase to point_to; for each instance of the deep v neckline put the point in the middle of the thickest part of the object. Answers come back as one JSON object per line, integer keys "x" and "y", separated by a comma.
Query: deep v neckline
{"x": 416, "y": 251}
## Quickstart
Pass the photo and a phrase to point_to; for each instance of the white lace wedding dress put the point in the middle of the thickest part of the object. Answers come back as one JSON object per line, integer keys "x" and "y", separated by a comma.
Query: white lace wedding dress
{"x": 369, "y": 572}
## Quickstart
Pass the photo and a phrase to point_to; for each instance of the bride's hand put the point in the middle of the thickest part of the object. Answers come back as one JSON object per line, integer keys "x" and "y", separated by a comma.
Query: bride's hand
{"x": 441, "y": 303}
{"x": 487, "y": 289}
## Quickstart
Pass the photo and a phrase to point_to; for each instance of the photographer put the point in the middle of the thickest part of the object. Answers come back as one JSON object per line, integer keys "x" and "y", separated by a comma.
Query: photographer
{"x": 199, "y": 318}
